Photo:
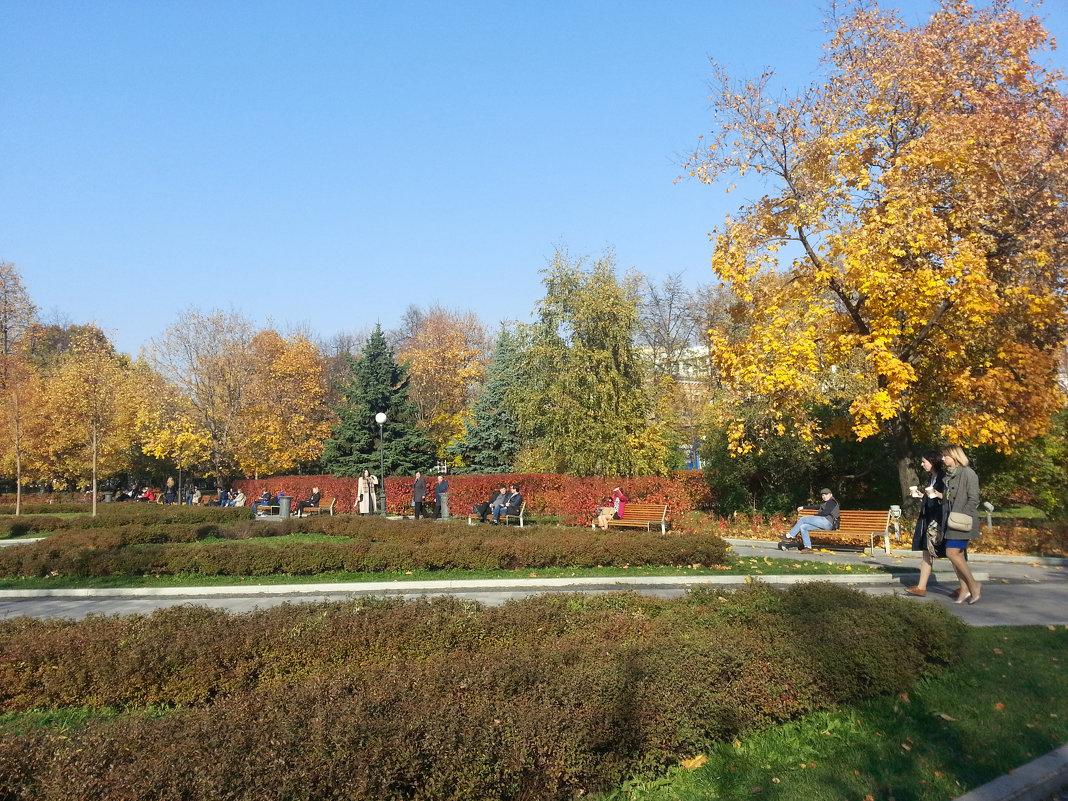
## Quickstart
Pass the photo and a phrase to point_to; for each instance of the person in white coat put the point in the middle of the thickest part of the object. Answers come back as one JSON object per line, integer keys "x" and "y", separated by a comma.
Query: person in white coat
{"x": 366, "y": 494}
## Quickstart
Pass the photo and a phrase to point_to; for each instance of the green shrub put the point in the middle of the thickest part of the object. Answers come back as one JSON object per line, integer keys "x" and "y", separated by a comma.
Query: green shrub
{"x": 548, "y": 698}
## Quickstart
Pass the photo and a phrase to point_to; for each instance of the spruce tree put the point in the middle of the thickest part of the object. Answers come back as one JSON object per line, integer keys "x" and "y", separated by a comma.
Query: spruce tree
{"x": 491, "y": 439}
{"x": 372, "y": 384}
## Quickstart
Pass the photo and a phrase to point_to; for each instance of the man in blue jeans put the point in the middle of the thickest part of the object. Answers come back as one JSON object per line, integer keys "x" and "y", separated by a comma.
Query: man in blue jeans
{"x": 825, "y": 519}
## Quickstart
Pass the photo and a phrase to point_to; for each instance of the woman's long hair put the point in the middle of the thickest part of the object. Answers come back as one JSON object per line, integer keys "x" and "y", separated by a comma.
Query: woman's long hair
{"x": 935, "y": 458}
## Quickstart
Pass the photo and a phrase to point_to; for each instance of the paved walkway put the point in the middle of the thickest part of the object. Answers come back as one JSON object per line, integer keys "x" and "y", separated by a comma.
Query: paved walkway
{"x": 1017, "y": 590}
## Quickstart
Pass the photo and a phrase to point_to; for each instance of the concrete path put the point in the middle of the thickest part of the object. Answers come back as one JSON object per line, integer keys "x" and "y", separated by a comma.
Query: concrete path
{"x": 1017, "y": 591}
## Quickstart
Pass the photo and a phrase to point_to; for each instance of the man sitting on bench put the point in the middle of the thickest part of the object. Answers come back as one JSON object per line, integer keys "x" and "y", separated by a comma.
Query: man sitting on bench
{"x": 512, "y": 507}
{"x": 825, "y": 519}
{"x": 497, "y": 500}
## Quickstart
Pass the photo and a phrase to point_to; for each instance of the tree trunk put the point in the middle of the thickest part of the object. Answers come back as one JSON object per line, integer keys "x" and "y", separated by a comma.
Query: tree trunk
{"x": 901, "y": 433}
{"x": 94, "y": 469}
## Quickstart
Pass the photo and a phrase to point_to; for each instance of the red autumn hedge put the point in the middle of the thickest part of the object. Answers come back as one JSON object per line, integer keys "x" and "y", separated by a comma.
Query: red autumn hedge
{"x": 573, "y": 500}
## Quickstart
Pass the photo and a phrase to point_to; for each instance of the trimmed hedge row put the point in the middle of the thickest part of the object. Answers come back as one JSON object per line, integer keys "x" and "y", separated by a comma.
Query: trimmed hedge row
{"x": 364, "y": 545}
{"x": 573, "y": 500}
{"x": 548, "y": 698}
{"x": 119, "y": 515}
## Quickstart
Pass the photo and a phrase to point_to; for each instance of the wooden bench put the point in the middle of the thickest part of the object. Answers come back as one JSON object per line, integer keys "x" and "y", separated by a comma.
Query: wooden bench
{"x": 519, "y": 517}
{"x": 642, "y": 515}
{"x": 471, "y": 518}
{"x": 320, "y": 509}
{"x": 857, "y": 523}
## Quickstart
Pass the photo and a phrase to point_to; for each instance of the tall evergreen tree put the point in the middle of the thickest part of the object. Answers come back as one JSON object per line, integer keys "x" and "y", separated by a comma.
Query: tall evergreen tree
{"x": 375, "y": 383}
{"x": 491, "y": 440}
{"x": 579, "y": 397}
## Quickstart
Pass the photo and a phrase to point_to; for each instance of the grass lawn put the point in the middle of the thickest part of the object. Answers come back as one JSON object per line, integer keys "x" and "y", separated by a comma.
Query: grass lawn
{"x": 752, "y": 566}
{"x": 1005, "y": 705}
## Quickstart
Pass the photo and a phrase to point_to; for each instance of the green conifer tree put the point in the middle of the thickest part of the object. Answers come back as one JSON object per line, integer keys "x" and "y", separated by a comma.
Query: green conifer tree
{"x": 372, "y": 384}
{"x": 491, "y": 438}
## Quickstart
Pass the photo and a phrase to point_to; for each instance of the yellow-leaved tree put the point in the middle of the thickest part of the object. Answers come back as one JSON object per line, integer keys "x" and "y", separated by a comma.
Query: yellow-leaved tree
{"x": 912, "y": 242}
{"x": 284, "y": 418}
{"x": 166, "y": 423}
{"x": 446, "y": 353}
{"x": 91, "y": 414}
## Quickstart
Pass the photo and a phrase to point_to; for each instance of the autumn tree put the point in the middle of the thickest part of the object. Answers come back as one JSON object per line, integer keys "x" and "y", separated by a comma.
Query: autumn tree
{"x": 206, "y": 357}
{"x": 92, "y": 414}
{"x": 167, "y": 425}
{"x": 376, "y": 383}
{"x": 490, "y": 442}
{"x": 23, "y": 409}
{"x": 912, "y": 238}
{"x": 446, "y": 354}
{"x": 18, "y": 385}
{"x": 579, "y": 397}
{"x": 284, "y": 419}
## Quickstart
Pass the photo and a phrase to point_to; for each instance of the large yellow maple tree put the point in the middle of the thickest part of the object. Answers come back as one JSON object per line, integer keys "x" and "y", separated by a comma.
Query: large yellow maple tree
{"x": 284, "y": 419}
{"x": 911, "y": 241}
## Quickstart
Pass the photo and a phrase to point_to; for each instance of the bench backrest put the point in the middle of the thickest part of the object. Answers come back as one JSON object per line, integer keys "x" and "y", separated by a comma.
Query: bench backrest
{"x": 859, "y": 520}
{"x": 644, "y": 511}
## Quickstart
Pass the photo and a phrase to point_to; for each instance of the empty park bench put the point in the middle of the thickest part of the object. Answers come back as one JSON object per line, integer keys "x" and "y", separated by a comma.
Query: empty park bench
{"x": 856, "y": 523}
{"x": 642, "y": 515}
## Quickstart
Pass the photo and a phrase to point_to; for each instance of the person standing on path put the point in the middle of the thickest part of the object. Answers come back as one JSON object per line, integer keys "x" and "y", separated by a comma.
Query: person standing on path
{"x": 419, "y": 495}
{"x": 366, "y": 487}
{"x": 441, "y": 498}
{"x": 928, "y": 536}
{"x": 961, "y": 497}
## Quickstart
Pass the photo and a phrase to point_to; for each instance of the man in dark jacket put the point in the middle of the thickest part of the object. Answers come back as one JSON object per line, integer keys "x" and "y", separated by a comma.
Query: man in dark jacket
{"x": 441, "y": 498}
{"x": 825, "y": 519}
{"x": 496, "y": 499}
{"x": 515, "y": 503}
{"x": 419, "y": 494}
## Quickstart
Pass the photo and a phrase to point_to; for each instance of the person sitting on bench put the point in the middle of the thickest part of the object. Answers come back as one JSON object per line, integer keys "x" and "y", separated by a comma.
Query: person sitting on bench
{"x": 512, "y": 507}
{"x": 496, "y": 500}
{"x": 825, "y": 519}
{"x": 311, "y": 503}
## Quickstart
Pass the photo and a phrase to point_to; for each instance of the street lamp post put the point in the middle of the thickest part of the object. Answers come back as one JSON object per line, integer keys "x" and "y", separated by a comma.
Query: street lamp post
{"x": 381, "y": 418}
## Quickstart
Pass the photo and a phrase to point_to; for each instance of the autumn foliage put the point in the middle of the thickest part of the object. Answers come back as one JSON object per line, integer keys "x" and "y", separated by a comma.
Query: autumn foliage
{"x": 909, "y": 255}
{"x": 568, "y": 499}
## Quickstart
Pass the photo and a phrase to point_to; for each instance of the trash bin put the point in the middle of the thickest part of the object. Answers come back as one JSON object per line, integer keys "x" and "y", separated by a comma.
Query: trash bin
{"x": 109, "y": 497}
{"x": 283, "y": 506}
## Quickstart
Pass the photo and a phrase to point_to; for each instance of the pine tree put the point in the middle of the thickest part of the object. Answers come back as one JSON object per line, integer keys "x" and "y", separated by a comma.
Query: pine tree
{"x": 375, "y": 383}
{"x": 491, "y": 439}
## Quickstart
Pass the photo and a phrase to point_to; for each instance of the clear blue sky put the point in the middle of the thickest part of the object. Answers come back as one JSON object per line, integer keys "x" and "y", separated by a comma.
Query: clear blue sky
{"x": 330, "y": 163}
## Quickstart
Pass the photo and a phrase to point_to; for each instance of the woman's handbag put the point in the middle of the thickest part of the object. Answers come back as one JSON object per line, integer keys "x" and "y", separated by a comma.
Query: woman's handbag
{"x": 958, "y": 521}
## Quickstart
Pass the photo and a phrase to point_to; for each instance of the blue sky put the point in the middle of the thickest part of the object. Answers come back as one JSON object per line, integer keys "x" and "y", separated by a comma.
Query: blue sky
{"x": 326, "y": 164}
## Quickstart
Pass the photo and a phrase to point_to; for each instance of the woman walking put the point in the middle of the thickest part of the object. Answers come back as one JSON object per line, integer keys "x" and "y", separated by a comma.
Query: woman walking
{"x": 928, "y": 534}
{"x": 960, "y": 518}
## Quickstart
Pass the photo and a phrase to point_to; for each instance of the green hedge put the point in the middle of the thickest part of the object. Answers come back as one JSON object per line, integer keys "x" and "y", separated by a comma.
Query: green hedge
{"x": 546, "y": 698}
{"x": 363, "y": 545}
